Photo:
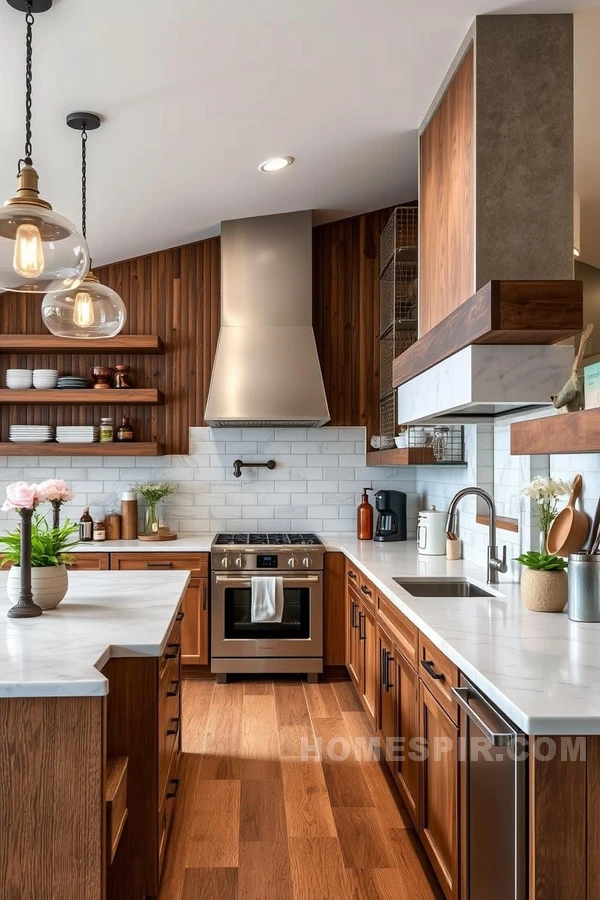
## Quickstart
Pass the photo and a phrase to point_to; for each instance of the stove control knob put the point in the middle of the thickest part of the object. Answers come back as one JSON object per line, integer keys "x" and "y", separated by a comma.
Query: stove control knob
{"x": 225, "y": 563}
{"x": 292, "y": 562}
{"x": 307, "y": 562}
{"x": 240, "y": 562}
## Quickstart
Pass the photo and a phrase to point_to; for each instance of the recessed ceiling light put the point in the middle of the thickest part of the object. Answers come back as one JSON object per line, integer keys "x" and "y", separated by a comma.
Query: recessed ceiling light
{"x": 276, "y": 163}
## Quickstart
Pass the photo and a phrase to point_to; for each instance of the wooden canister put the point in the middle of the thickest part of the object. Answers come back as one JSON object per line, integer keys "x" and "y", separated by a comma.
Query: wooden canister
{"x": 112, "y": 522}
{"x": 129, "y": 516}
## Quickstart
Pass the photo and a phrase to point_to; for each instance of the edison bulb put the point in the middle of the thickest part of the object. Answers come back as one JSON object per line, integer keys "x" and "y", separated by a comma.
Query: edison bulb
{"x": 28, "y": 259}
{"x": 94, "y": 311}
{"x": 83, "y": 310}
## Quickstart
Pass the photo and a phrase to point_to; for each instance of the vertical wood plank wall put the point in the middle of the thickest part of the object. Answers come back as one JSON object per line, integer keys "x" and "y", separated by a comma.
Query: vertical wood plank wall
{"x": 346, "y": 315}
{"x": 176, "y": 294}
{"x": 447, "y": 198}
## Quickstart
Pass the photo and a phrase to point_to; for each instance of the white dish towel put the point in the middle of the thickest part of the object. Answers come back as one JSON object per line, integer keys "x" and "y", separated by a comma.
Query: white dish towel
{"x": 267, "y": 599}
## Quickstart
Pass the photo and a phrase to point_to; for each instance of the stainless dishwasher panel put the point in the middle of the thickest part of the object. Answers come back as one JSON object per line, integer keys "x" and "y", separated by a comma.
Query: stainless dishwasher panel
{"x": 493, "y": 801}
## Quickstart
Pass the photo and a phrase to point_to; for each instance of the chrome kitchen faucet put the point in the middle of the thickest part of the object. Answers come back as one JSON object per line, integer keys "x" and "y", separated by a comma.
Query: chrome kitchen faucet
{"x": 494, "y": 564}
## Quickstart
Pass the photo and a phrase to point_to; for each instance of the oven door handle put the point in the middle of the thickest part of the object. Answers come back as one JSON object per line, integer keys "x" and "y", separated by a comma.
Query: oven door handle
{"x": 461, "y": 695}
{"x": 247, "y": 582}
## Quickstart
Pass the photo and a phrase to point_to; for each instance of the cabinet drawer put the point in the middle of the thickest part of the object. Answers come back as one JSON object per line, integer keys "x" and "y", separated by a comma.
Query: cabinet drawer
{"x": 171, "y": 655}
{"x": 196, "y": 563}
{"x": 439, "y": 674}
{"x": 167, "y": 808}
{"x": 356, "y": 581}
{"x": 116, "y": 803}
{"x": 169, "y": 720}
{"x": 404, "y": 634}
{"x": 89, "y": 562}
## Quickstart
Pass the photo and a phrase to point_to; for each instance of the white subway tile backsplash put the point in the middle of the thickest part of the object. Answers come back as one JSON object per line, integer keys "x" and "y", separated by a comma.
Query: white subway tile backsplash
{"x": 315, "y": 487}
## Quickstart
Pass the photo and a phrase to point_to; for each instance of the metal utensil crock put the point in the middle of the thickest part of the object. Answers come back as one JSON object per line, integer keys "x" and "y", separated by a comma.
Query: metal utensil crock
{"x": 584, "y": 587}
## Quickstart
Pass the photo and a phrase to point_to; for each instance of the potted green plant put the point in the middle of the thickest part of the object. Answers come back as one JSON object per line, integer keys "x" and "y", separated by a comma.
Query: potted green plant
{"x": 544, "y": 581}
{"x": 153, "y": 492}
{"x": 49, "y": 555}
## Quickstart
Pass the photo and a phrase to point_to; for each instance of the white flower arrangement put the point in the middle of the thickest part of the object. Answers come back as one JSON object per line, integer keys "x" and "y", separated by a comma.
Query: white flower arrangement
{"x": 545, "y": 492}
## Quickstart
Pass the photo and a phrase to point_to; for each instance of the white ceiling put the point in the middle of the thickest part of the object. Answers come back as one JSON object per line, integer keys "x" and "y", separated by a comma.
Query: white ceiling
{"x": 196, "y": 93}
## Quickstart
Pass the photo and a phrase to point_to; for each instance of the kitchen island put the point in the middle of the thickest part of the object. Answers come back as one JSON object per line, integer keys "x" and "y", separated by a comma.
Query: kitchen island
{"x": 89, "y": 738}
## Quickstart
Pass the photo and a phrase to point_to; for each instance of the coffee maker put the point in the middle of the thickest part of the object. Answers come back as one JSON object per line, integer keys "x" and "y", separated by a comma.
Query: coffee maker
{"x": 391, "y": 522}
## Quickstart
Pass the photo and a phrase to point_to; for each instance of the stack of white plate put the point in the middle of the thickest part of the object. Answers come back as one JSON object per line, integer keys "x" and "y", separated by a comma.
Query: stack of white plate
{"x": 19, "y": 379}
{"x": 77, "y": 434}
{"x": 45, "y": 379}
{"x": 31, "y": 433}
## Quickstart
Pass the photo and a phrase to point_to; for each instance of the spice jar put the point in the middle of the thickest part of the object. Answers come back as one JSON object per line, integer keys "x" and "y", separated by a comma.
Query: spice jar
{"x": 122, "y": 377}
{"x": 99, "y": 531}
{"x": 106, "y": 430}
{"x": 125, "y": 431}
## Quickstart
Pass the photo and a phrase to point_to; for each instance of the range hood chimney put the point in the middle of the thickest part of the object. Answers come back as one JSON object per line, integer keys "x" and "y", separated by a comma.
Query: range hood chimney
{"x": 266, "y": 369}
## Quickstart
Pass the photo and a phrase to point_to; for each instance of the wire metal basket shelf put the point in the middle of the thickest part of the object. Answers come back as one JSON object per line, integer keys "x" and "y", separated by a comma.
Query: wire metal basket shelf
{"x": 401, "y": 233}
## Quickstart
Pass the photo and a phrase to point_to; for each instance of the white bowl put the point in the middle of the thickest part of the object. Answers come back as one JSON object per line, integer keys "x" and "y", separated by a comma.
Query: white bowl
{"x": 44, "y": 383}
{"x": 23, "y": 372}
{"x": 45, "y": 372}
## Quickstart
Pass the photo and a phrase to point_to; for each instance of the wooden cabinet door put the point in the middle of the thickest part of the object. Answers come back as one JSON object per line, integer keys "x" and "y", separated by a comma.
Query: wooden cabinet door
{"x": 387, "y": 724}
{"x": 368, "y": 636}
{"x": 407, "y": 772}
{"x": 439, "y": 792}
{"x": 353, "y": 643}
{"x": 194, "y": 628}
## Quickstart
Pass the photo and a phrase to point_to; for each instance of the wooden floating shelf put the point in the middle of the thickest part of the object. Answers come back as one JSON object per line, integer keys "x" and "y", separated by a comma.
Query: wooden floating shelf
{"x": 57, "y": 397}
{"x": 576, "y": 432}
{"x": 50, "y": 448}
{"x": 401, "y": 456}
{"x": 48, "y": 343}
{"x": 502, "y": 522}
{"x": 501, "y": 312}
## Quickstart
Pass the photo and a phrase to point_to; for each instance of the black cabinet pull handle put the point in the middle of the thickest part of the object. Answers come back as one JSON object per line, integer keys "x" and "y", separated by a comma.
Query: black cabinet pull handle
{"x": 175, "y": 726}
{"x": 388, "y": 684}
{"x": 352, "y": 575}
{"x": 175, "y": 689}
{"x": 353, "y": 609}
{"x": 172, "y": 655}
{"x": 428, "y": 666}
{"x": 173, "y": 792}
{"x": 204, "y": 596}
{"x": 365, "y": 589}
{"x": 161, "y": 565}
{"x": 382, "y": 663}
{"x": 361, "y": 618}
{"x": 179, "y": 616}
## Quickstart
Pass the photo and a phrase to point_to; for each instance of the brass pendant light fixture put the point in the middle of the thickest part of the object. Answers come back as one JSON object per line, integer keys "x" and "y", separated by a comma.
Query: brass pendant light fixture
{"x": 92, "y": 310}
{"x": 39, "y": 249}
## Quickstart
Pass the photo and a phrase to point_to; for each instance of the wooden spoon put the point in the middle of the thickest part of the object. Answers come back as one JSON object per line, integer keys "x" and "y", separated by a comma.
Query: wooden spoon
{"x": 570, "y": 528}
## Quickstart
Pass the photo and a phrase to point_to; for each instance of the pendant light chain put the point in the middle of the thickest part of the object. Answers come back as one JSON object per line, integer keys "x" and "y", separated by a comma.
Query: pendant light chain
{"x": 84, "y": 137}
{"x": 29, "y": 20}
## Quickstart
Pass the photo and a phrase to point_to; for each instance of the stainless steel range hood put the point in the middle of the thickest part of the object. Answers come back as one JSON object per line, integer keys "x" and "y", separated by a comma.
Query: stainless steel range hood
{"x": 266, "y": 369}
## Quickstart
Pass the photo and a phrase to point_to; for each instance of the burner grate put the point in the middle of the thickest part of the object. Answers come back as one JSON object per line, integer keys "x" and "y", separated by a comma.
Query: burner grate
{"x": 267, "y": 538}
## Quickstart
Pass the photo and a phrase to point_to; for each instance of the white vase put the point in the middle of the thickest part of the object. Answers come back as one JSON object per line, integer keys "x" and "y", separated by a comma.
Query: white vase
{"x": 49, "y": 585}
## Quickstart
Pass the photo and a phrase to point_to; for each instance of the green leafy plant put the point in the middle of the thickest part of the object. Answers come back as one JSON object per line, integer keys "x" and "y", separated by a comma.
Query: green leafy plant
{"x": 49, "y": 546}
{"x": 542, "y": 562}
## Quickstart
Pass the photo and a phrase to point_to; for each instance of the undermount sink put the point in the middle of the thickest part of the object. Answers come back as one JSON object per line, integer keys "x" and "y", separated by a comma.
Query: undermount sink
{"x": 441, "y": 587}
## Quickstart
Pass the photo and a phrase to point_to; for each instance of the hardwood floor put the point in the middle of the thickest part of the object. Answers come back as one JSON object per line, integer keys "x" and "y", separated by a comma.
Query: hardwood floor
{"x": 256, "y": 821}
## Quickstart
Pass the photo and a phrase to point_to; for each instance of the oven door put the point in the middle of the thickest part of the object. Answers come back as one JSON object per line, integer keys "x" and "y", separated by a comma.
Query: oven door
{"x": 300, "y": 633}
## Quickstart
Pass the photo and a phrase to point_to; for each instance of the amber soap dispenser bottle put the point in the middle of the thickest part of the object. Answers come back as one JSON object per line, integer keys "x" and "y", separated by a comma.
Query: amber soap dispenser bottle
{"x": 364, "y": 518}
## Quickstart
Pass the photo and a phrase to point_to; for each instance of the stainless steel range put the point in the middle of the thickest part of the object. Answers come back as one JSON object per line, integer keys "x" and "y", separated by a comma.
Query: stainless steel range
{"x": 294, "y": 645}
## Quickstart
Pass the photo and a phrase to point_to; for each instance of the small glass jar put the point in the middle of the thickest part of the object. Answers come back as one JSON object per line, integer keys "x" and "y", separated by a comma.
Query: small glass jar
{"x": 99, "y": 531}
{"x": 107, "y": 430}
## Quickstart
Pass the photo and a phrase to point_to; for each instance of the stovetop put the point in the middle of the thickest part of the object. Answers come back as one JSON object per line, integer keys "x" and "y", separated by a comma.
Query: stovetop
{"x": 268, "y": 539}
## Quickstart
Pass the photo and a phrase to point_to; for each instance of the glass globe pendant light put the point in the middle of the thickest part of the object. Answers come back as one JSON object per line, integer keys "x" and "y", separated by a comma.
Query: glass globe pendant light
{"x": 92, "y": 310}
{"x": 39, "y": 249}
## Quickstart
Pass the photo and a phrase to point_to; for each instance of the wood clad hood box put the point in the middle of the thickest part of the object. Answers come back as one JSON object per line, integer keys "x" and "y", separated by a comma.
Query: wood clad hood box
{"x": 496, "y": 195}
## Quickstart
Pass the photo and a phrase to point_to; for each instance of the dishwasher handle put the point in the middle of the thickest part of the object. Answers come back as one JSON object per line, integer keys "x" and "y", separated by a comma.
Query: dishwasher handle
{"x": 496, "y": 739}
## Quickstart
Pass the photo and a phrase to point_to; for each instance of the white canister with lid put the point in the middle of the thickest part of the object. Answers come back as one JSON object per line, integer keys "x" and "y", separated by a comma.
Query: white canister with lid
{"x": 431, "y": 532}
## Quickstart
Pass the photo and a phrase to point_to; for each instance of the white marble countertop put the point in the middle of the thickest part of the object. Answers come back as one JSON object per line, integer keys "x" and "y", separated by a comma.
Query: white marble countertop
{"x": 197, "y": 543}
{"x": 105, "y": 614}
{"x": 540, "y": 669}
